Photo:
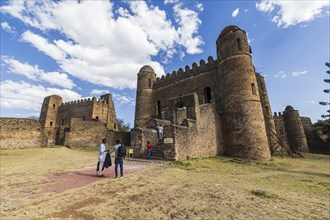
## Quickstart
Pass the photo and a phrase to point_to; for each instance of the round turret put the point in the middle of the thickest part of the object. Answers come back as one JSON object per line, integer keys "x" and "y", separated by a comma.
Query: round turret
{"x": 144, "y": 107}
{"x": 295, "y": 130}
{"x": 240, "y": 107}
{"x": 232, "y": 40}
{"x": 48, "y": 116}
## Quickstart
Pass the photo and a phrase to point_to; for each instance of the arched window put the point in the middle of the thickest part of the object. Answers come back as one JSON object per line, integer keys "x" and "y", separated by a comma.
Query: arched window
{"x": 51, "y": 123}
{"x": 97, "y": 118}
{"x": 207, "y": 95}
{"x": 114, "y": 125}
{"x": 253, "y": 87}
{"x": 239, "y": 44}
{"x": 53, "y": 105}
{"x": 149, "y": 83}
{"x": 83, "y": 118}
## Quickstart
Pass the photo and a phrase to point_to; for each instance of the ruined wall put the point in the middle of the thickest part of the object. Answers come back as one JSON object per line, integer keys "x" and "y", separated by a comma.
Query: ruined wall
{"x": 315, "y": 143}
{"x": 18, "y": 133}
{"x": 123, "y": 136}
{"x": 280, "y": 130}
{"x": 139, "y": 138}
{"x": 200, "y": 138}
{"x": 85, "y": 133}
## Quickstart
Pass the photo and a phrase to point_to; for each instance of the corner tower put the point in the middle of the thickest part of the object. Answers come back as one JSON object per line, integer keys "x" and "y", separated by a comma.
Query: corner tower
{"x": 295, "y": 130}
{"x": 239, "y": 105}
{"x": 48, "y": 116}
{"x": 144, "y": 106}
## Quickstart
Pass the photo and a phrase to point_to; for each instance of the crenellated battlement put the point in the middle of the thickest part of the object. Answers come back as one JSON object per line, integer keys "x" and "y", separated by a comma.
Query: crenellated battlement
{"x": 86, "y": 100}
{"x": 187, "y": 72}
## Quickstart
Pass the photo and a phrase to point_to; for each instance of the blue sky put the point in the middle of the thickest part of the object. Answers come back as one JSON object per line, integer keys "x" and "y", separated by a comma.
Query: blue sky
{"x": 80, "y": 49}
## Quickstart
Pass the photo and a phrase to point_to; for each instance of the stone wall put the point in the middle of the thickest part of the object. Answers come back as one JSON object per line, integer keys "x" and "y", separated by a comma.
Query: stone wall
{"x": 204, "y": 136}
{"x": 18, "y": 133}
{"x": 85, "y": 133}
{"x": 315, "y": 143}
{"x": 139, "y": 138}
{"x": 90, "y": 134}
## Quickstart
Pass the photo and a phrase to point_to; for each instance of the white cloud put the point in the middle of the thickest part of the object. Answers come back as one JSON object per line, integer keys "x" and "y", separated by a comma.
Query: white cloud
{"x": 281, "y": 74}
{"x": 99, "y": 92}
{"x": 42, "y": 45}
{"x": 189, "y": 23}
{"x": 22, "y": 95}
{"x": 94, "y": 45}
{"x": 290, "y": 13}
{"x": 36, "y": 74}
{"x": 7, "y": 27}
{"x": 235, "y": 12}
{"x": 123, "y": 99}
{"x": 311, "y": 102}
{"x": 299, "y": 73}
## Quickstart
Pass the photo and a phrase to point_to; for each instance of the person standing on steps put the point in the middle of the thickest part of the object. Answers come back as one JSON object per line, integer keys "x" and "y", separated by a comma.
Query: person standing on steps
{"x": 102, "y": 155}
{"x": 149, "y": 146}
{"x": 120, "y": 153}
{"x": 160, "y": 132}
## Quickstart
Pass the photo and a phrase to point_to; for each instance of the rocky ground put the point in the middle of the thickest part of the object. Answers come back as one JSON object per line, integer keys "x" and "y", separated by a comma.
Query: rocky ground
{"x": 60, "y": 183}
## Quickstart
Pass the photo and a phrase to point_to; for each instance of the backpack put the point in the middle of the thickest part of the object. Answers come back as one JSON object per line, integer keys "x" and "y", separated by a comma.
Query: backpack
{"x": 121, "y": 151}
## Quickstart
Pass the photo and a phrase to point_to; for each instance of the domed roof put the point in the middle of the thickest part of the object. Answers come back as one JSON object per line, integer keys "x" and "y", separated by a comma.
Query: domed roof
{"x": 228, "y": 29}
{"x": 146, "y": 68}
{"x": 289, "y": 108}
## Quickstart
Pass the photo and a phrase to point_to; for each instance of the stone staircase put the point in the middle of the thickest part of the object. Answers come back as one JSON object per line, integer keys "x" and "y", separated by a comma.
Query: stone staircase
{"x": 157, "y": 152}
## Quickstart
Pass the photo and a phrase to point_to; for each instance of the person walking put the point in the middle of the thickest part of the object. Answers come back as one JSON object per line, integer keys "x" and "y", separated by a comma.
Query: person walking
{"x": 119, "y": 158}
{"x": 149, "y": 146}
{"x": 101, "y": 157}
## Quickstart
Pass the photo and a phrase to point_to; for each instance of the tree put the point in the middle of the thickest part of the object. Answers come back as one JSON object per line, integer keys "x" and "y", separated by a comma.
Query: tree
{"x": 326, "y": 91}
{"x": 122, "y": 126}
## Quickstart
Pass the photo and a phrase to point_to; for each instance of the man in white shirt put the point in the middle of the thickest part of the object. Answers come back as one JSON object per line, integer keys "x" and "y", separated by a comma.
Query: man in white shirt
{"x": 102, "y": 155}
{"x": 160, "y": 133}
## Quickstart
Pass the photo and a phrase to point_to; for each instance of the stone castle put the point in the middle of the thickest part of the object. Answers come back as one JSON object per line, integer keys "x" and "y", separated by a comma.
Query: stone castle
{"x": 217, "y": 107}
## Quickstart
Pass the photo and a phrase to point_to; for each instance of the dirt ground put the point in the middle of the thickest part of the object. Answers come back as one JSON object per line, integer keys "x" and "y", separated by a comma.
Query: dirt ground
{"x": 60, "y": 183}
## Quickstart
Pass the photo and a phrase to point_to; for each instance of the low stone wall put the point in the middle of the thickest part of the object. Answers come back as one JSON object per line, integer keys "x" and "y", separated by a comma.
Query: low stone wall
{"x": 16, "y": 133}
{"x": 85, "y": 133}
{"x": 139, "y": 138}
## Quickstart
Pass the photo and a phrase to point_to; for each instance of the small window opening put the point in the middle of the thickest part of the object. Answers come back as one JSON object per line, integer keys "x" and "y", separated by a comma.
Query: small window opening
{"x": 114, "y": 125}
{"x": 253, "y": 87}
{"x": 62, "y": 121}
{"x": 149, "y": 83}
{"x": 51, "y": 123}
{"x": 159, "y": 110}
{"x": 267, "y": 110}
{"x": 83, "y": 118}
{"x": 97, "y": 118}
{"x": 53, "y": 105}
{"x": 207, "y": 95}
{"x": 239, "y": 44}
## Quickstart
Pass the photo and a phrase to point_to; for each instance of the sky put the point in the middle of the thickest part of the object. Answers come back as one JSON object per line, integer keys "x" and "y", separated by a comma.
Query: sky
{"x": 80, "y": 49}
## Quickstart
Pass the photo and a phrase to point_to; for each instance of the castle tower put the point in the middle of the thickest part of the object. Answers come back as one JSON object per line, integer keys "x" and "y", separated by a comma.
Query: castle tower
{"x": 295, "y": 131}
{"x": 144, "y": 107}
{"x": 269, "y": 120}
{"x": 111, "y": 114}
{"x": 239, "y": 104}
{"x": 48, "y": 116}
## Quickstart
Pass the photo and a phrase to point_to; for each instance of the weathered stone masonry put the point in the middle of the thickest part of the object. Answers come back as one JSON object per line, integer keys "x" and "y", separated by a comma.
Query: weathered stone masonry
{"x": 217, "y": 107}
